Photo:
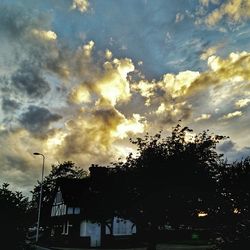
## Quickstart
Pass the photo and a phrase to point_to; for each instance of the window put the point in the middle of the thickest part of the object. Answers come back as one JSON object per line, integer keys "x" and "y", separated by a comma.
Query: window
{"x": 66, "y": 227}
{"x": 77, "y": 210}
{"x": 58, "y": 199}
{"x": 70, "y": 210}
{"x": 53, "y": 211}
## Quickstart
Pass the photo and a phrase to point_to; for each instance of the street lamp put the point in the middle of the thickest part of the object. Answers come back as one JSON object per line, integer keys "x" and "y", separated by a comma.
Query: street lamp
{"x": 40, "y": 198}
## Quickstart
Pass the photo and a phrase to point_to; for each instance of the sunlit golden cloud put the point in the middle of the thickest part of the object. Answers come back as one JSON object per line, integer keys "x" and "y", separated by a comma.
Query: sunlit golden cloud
{"x": 88, "y": 48}
{"x": 177, "y": 85}
{"x": 170, "y": 98}
{"x": 81, "y": 5}
{"x": 90, "y": 136}
{"x": 232, "y": 115}
{"x": 146, "y": 89}
{"x": 80, "y": 94}
{"x": 173, "y": 85}
{"x": 55, "y": 140}
{"x": 44, "y": 34}
{"x": 130, "y": 126}
{"x": 208, "y": 52}
{"x": 113, "y": 85}
{"x": 234, "y": 69}
{"x": 106, "y": 81}
{"x": 242, "y": 102}
{"x": 166, "y": 98}
{"x": 108, "y": 54}
{"x": 171, "y": 112}
{"x": 235, "y": 10}
{"x": 203, "y": 117}
{"x": 173, "y": 109}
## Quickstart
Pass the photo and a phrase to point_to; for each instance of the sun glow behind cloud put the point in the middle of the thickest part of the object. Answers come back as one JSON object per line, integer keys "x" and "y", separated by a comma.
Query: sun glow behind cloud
{"x": 80, "y": 95}
{"x": 132, "y": 126}
{"x": 114, "y": 85}
{"x": 55, "y": 140}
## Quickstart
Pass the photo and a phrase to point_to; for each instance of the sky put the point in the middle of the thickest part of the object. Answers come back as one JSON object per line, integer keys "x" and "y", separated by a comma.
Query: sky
{"x": 78, "y": 78}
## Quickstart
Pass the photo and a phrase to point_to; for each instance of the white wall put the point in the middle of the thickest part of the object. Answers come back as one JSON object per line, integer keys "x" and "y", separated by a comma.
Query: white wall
{"x": 93, "y": 230}
{"x": 123, "y": 227}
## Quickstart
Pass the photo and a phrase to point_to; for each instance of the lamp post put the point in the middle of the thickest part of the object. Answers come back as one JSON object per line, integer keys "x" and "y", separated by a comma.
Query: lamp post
{"x": 40, "y": 198}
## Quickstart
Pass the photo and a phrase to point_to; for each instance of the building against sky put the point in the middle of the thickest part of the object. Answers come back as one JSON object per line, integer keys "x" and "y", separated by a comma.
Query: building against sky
{"x": 71, "y": 227}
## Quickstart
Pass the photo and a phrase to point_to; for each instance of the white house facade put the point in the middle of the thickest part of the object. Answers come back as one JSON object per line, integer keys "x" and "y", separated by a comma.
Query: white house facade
{"x": 69, "y": 225}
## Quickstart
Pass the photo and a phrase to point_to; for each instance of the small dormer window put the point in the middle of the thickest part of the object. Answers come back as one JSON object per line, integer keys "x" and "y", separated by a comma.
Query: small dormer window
{"x": 58, "y": 198}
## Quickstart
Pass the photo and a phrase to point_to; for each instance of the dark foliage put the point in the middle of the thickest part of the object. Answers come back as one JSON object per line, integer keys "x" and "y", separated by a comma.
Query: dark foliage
{"x": 234, "y": 218}
{"x": 13, "y": 217}
{"x": 170, "y": 181}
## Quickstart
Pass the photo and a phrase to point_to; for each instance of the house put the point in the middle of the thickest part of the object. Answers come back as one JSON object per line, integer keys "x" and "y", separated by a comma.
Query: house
{"x": 75, "y": 221}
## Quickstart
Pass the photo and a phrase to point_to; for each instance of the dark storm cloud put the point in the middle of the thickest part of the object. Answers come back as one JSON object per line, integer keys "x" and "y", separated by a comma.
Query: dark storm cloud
{"x": 232, "y": 152}
{"x": 170, "y": 117}
{"x": 28, "y": 80}
{"x": 110, "y": 117}
{"x": 227, "y": 146}
{"x": 243, "y": 153}
{"x": 16, "y": 20}
{"x": 38, "y": 119}
{"x": 25, "y": 52}
{"x": 16, "y": 162}
{"x": 9, "y": 105}
{"x": 13, "y": 21}
{"x": 20, "y": 172}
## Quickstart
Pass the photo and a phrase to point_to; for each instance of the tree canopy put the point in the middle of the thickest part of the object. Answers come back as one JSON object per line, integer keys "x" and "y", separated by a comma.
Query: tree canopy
{"x": 170, "y": 180}
{"x": 177, "y": 168}
{"x": 13, "y": 217}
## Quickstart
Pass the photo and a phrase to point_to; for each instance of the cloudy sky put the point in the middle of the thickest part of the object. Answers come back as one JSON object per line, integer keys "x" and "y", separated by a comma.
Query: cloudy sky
{"x": 78, "y": 78}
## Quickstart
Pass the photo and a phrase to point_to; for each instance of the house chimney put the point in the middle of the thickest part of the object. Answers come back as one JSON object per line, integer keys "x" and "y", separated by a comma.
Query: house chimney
{"x": 98, "y": 172}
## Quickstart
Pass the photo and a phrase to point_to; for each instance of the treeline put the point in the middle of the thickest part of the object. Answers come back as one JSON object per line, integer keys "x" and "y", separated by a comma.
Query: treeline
{"x": 176, "y": 180}
{"x": 14, "y": 214}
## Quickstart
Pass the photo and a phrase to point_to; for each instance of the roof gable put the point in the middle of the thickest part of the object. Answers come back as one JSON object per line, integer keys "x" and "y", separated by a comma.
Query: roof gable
{"x": 73, "y": 191}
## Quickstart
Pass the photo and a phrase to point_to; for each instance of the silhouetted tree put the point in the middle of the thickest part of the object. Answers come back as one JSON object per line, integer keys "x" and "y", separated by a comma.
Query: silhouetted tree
{"x": 13, "y": 217}
{"x": 234, "y": 183}
{"x": 170, "y": 180}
